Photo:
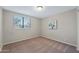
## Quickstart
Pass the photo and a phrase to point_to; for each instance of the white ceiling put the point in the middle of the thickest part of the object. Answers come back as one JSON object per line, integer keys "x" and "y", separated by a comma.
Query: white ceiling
{"x": 47, "y": 11}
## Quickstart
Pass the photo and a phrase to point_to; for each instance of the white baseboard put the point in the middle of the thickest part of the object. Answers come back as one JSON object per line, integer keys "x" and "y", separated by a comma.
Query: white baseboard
{"x": 40, "y": 36}
{"x": 60, "y": 41}
{"x": 5, "y": 43}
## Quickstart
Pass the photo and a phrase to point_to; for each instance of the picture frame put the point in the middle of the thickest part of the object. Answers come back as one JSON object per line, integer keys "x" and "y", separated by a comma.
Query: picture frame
{"x": 52, "y": 24}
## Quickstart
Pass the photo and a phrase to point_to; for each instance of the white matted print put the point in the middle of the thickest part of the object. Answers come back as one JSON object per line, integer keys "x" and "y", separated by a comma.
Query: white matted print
{"x": 52, "y": 24}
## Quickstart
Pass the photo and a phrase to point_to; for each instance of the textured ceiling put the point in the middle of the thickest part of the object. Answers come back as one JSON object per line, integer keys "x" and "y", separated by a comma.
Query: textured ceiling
{"x": 47, "y": 11}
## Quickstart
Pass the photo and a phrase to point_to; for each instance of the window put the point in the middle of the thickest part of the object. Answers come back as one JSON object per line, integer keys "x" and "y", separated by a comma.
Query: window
{"x": 22, "y": 22}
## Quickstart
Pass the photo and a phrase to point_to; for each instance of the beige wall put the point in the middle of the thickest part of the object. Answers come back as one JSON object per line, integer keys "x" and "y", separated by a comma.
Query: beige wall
{"x": 11, "y": 34}
{"x": 66, "y": 31}
{"x": 78, "y": 29}
{"x": 0, "y": 29}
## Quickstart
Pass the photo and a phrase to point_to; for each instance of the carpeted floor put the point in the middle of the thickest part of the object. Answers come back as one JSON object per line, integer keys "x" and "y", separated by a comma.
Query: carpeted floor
{"x": 39, "y": 45}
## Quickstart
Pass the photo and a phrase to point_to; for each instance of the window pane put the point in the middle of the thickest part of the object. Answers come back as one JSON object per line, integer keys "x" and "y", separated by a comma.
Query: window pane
{"x": 22, "y": 22}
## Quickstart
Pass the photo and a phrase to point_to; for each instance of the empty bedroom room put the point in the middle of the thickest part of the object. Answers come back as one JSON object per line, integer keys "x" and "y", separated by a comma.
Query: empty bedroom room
{"x": 39, "y": 29}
